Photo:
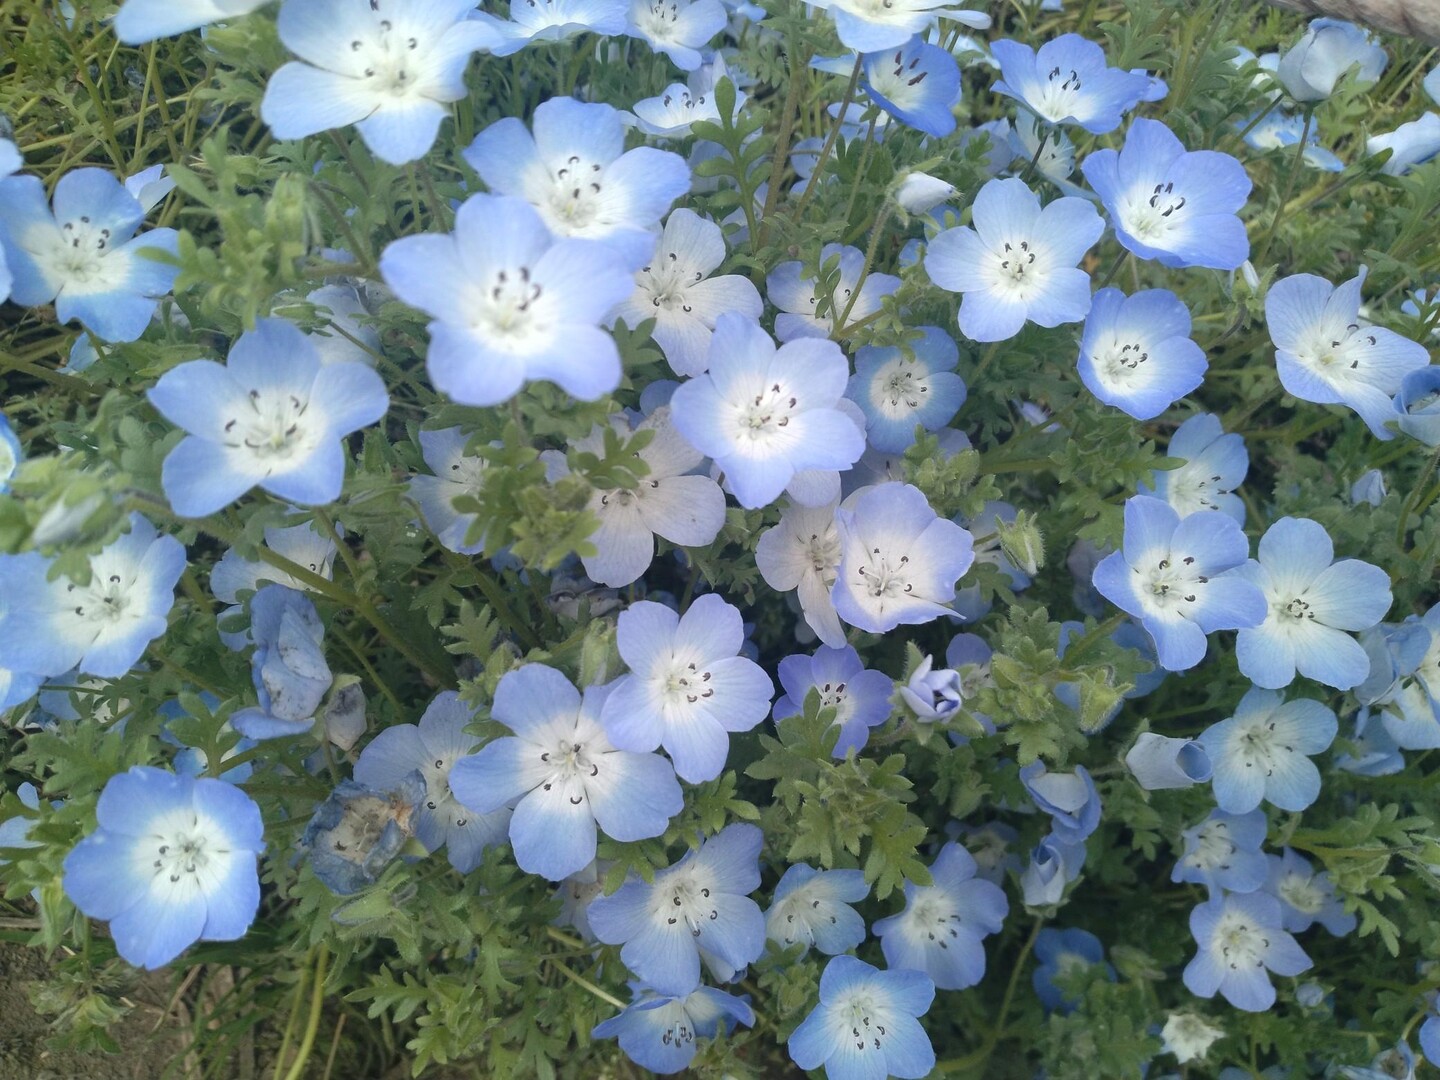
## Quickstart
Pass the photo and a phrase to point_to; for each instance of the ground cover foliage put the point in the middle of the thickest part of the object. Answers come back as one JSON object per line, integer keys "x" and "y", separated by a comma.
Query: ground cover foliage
{"x": 455, "y": 627}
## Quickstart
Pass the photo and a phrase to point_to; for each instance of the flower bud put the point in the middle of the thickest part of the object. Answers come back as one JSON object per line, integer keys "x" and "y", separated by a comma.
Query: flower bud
{"x": 1417, "y": 405}
{"x": 1158, "y": 762}
{"x": 1022, "y": 542}
{"x": 932, "y": 695}
{"x": 918, "y": 192}
{"x": 1328, "y": 50}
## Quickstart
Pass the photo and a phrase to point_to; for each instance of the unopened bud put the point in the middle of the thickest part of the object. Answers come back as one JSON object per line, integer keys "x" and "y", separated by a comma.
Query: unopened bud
{"x": 1022, "y": 542}
{"x": 919, "y": 192}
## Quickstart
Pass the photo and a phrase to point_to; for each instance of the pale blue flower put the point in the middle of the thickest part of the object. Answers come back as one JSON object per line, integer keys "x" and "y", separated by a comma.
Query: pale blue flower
{"x": 859, "y": 696}
{"x": 554, "y": 20}
{"x": 1416, "y": 404}
{"x": 141, "y": 21}
{"x": 669, "y": 114}
{"x": 456, "y": 475}
{"x": 10, "y": 161}
{"x": 1312, "y": 605}
{"x": 866, "y": 26}
{"x": 1159, "y": 762}
{"x": 802, "y": 552}
{"x": 1178, "y": 207}
{"x": 272, "y": 416}
{"x": 301, "y": 544}
{"x": 173, "y": 862}
{"x": 1263, "y": 752}
{"x": 1278, "y": 130}
{"x": 80, "y": 255}
{"x": 916, "y": 83}
{"x": 942, "y": 929}
{"x": 1432, "y": 87}
{"x": 1061, "y": 952}
{"x": 1404, "y": 679}
{"x": 1410, "y": 144}
{"x": 1070, "y": 798}
{"x": 658, "y": 1031}
{"x": 562, "y": 775}
{"x": 288, "y": 666}
{"x": 813, "y": 907}
{"x": 1324, "y": 355}
{"x": 932, "y": 694}
{"x": 699, "y": 907}
{"x": 799, "y": 296}
{"x": 676, "y": 290}
{"x": 1370, "y": 487}
{"x": 11, "y": 453}
{"x": 358, "y": 831}
{"x": 764, "y": 414}
{"x": 899, "y": 560}
{"x": 511, "y": 303}
{"x": 1223, "y": 852}
{"x": 1067, "y": 81}
{"x": 345, "y": 310}
{"x": 865, "y": 1026}
{"x": 102, "y": 628}
{"x": 1171, "y": 574}
{"x": 1215, "y": 465}
{"x": 1329, "y": 48}
{"x": 1239, "y": 938}
{"x": 687, "y": 689}
{"x": 391, "y": 69}
{"x": 1374, "y": 751}
{"x": 1018, "y": 263}
{"x": 575, "y": 171}
{"x": 1305, "y": 896}
{"x": 898, "y": 389}
{"x": 1136, "y": 353}
{"x": 433, "y": 748}
{"x": 680, "y": 29}
{"x": 1053, "y": 865}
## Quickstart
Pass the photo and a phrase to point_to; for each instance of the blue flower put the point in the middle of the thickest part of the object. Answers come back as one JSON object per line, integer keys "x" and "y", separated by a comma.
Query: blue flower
{"x": 1017, "y": 263}
{"x": 1311, "y": 601}
{"x": 301, "y": 544}
{"x": 273, "y": 415}
{"x": 898, "y": 389}
{"x": 670, "y": 113}
{"x": 675, "y": 290}
{"x": 288, "y": 667}
{"x": 1053, "y": 865}
{"x": 10, "y": 160}
{"x": 358, "y": 831}
{"x": 11, "y": 453}
{"x": 173, "y": 862}
{"x": 1324, "y": 355}
{"x": 802, "y": 552}
{"x": 916, "y": 83}
{"x": 868, "y": 27}
{"x": 80, "y": 255}
{"x": 765, "y": 414}
{"x": 1416, "y": 404}
{"x": 1067, "y": 81}
{"x": 1404, "y": 679}
{"x": 577, "y": 174}
{"x": 1278, "y": 129}
{"x": 457, "y": 474}
{"x": 1215, "y": 465}
{"x": 932, "y": 694}
{"x": 1429, "y": 1034}
{"x": 658, "y": 1031}
{"x": 859, "y": 696}
{"x": 1136, "y": 353}
{"x": 670, "y": 501}
{"x": 1070, "y": 799}
{"x": 1330, "y": 47}
{"x": 1263, "y": 751}
{"x": 687, "y": 689}
{"x": 1171, "y": 574}
{"x": 1223, "y": 852}
{"x": 1159, "y": 762}
{"x": 943, "y": 927}
{"x": 102, "y": 627}
{"x": 681, "y": 29}
{"x": 1061, "y": 952}
{"x": 698, "y": 907}
{"x": 554, "y": 20}
{"x": 1305, "y": 896}
{"x": 865, "y": 1026}
{"x": 1239, "y": 937}
{"x": 433, "y": 748}
{"x": 141, "y": 21}
{"x": 1374, "y": 752}
{"x": 899, "y": 560}
{"x": 562, "y": 775}
{"x": 390, "y": 69}
{"x": 798, "y": 296}
{"x": 511, "y": 303}
{"x": 1410, "y": 144}
{"x": 813, "y": 907}
{"x": 1169, "y": 204}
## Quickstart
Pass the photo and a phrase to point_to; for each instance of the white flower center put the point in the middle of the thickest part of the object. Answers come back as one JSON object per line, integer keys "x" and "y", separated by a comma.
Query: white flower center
{"x": 1171, "y": 585}
{"x": 183, "y": 855}
{"x": 1339, "y": 352}
{"x": 866, "y": 1018}
{"x": 687, "y": 899}
{"x": 389, "y": 59}
{"x": 899, "y": 387}
{"x": 78, "y": 253}
{"x": 1189, "y": 489}
{"x": 1016, "y": 266}
{"x": 684, "y": 681}
{"x": 885, "y": 576}
{"x": 1213, "y": 847}
{"x": 1154, "y": 215}
{"x": 899, "y": 81}
{"x": 823, "y": 551}
{"x": 1259, "y": 745}
{"x": 1060, "y": 94}
{"x": 1301, "y": 893}
{"x": 666, "y": 279}
{"x": 680, "y": 1029}
{"x": 932, "y": 915}
{"x": 575, "y": 196}
{"x": 1119, "y": 362}
{"x": 274, "y": 427}
{"x": 438, "y": 798}
{"x": 1241, "y": 943}
{"x": 766, "y": 413}
{"x": 507, "y": 308}
{"x": 659, "y": 21}
{"x": 572, "y": 766}
{"x": 102, "y": 601}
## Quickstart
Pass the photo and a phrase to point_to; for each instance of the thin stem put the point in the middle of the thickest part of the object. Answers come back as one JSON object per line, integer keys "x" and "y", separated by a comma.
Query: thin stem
{"x": 981, "y": 1056}
{"x": 586, "y": 984}
{"x": 1414, "y": 496}
{"x": 1035, "y": 157}
{"x": 1296, "y": 164}
{"x": 788, "y": 112}
{"x": 312, "y": 1023}
{"x": 876, "y": 231}
{"x": 825, "y": 151}
{"x": 1115, "y": 267}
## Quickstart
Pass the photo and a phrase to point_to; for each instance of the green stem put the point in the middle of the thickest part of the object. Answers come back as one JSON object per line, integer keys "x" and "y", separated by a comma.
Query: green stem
{"x": 1414, "y": 496}
{"x": 825, "y": 151}
{"x": 876, "y": 231}
{"x": 1297, "y": 162}
{"x": 981, "y": 1056}
{"x": 312, "y": 1023}
{"x": 1035, "y": 157}
{"x": 586, "y": 984}
{"x": 1115, "y": 268}
{"x": 781, "y": 154}
{"x": 1102, "y": 630}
